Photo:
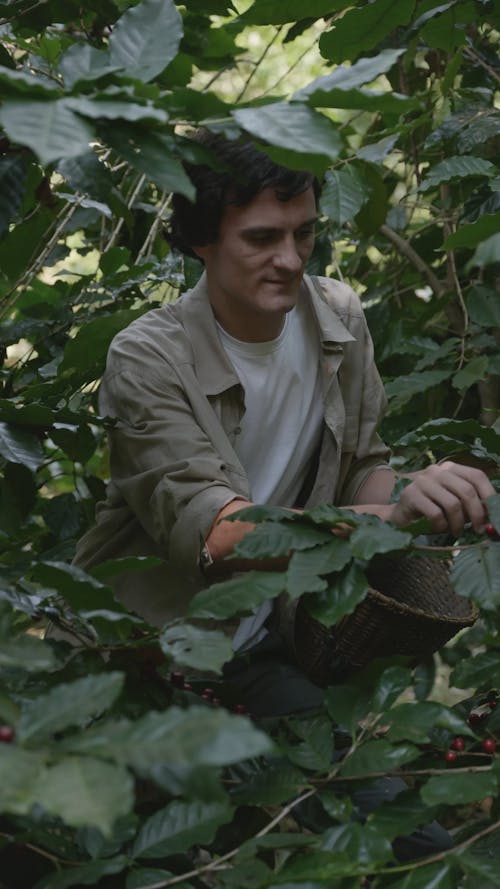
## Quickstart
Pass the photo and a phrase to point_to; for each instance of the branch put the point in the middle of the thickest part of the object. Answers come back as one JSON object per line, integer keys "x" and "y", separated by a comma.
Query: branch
{"x": 257, "y": 63}
{"x": 405, "y": 248}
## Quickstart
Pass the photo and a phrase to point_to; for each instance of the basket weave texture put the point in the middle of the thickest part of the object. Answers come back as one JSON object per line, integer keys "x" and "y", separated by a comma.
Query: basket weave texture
{"x": 411, "y": 609}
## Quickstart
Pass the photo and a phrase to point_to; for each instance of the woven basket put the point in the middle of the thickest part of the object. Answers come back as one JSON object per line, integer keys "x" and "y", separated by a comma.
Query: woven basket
{"x": 411, "y": 609}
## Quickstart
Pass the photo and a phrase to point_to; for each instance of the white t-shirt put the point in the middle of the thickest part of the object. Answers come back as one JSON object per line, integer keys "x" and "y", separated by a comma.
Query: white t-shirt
{"x": 282, "y": 423}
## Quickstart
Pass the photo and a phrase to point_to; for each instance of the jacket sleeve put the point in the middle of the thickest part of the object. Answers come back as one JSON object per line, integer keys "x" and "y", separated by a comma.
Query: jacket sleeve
{"x": 164, "y": 464}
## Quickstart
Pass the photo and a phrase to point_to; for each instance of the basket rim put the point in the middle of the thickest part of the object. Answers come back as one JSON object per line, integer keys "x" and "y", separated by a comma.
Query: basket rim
{"x": 402, "y": 608}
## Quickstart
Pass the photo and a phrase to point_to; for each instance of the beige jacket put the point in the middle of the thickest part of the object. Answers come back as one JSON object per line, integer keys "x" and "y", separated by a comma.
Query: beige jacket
{"x": 178, "y": 404}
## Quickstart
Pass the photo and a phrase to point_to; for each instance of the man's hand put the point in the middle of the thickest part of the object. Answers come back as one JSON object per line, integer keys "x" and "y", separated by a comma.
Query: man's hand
{"x": 448, "y": 494}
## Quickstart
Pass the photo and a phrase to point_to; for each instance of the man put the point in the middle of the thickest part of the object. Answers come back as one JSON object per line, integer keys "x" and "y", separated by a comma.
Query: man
{"x": 259, "y": 385}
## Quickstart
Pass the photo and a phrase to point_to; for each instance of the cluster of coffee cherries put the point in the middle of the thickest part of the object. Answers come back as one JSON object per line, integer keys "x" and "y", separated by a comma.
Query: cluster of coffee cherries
{"x": 178, "y": 680}
{"x": 475, "y": 720}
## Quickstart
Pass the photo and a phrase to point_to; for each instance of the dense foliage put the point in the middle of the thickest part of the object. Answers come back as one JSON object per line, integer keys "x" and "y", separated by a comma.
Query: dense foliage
{"x": 113, "y": 771}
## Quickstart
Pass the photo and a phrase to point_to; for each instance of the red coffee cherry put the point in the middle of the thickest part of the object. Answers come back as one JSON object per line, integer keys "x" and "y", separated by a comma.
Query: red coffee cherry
{"x": 476, "y": 718}
{"x": 240, "y": 709}
{"x": 489, "y": 745}
{"x": 450, "y": 756}
{"x": 458, "y": 744}
{"x": 208, "y": 694}
{"x": 6, "y": 734}
{"x": 492, "y": 532}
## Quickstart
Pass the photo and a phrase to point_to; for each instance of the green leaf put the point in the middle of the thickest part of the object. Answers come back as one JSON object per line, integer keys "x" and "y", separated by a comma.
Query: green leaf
{"x": 18, "y": 446}
{"x": 85, "y": 353}
{"x": 362, "y": 843}
{"x": 185, "y": 739}
{"x": 405, "y": 387}
{"x": 240, "y": 595}
{"x": 378, "y": 757}
{"x": 12, "y": 182}
{"x": 81, "y": 61}
{"x": 343, "y": 195}
{"x": 316, "y": 750}
{"x": 483, "y": 306}
{"x": 432, "y": 876}
{"x": 115, "y": 109}
{"x": 474, "y": 370}
{"x": 360, "y": 30}
{"x": 306, "y": 568}
{"x": 475, "y": 573}
{"x": 415, "y": 721}
{"x": 458, "y": 790}
{"x": 401, "y": 816}
{"x": 68, "y": 704}
{"x": 151, "y": 153}
{"x": 150, "y": 876}
{"x": 27, "y": 653}
{"x": 393, "y": 681}
{"x": 178, "y": 827}
{"x": 85, "y": 874}
{"x": 292, "y": 126}
{"x": 321, "y": 868}
{"x": 471, "y": 234}
{"x": 273, "y": 539}
{"x": 347, "y": 705}
{"x": 83, "y": 592}
{"x": 480, "y": 671}
{"x": 344, "y": 593}
{"x": 271, "y": 785}
{"x": 375, "y": 536}
{"x": 51, "y": 129}
{"x": 479, "y": 863}
{"x": 192, "y": 646}
{"x": 349, "y": 77}
{"x": 486, "y": 253}
{"x": 86, "y": 792}
{"x": 457, "y": 168}
{"x": 146, "y": 38}
{"x": 19, "y": 770}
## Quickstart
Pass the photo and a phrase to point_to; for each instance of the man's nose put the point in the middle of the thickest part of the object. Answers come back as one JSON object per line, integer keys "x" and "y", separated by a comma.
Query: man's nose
{"x": 287, "y": 255}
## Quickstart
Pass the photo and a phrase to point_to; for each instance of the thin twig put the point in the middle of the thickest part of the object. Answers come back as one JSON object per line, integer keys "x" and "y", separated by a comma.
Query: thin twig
{"x": 32, "y": 270}
{"x": 151, "y": 235}
{"x": 474, "y": 55}
{"x": 257, "y": 64}
{"x": 116, "y": 231}
{"x": 405, "y": 248}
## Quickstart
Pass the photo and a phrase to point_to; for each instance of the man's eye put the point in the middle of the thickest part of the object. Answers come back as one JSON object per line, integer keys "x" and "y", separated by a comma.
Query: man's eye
{"x": 305, "y": 233}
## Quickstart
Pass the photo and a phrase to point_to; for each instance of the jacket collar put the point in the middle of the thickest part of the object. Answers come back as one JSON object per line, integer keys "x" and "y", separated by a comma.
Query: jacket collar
{"x": 213, "y": 368}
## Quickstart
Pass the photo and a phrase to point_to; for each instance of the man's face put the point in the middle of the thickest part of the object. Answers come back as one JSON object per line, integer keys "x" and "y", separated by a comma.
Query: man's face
{"x": 255, "y": 267}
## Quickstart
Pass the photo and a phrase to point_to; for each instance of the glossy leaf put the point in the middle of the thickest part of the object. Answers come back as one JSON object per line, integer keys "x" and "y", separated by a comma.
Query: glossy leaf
{"x": 475, "y": 573}
{"x": 27, "y": 653}
{"x": 457, "y": 168}
{"x": 376, "y": 537}
{"x": 19, "y": 770}
{"x": 361, "y": 842}
{"x": 192, "y": 646}
{"x": 343, "y": 594}
{"x": 343, "y": 195}
{"x": 178, "y": 827}
{"x": 415, "y": 721}
{"x": 146, "y": 38}
{"x": 359, "y": 30}
{"x": 293, "y": 126}
{"x": 270, "y": 539}
{"x": 83, "y": 62}
{"x": 378, "y": 757}
{"x": 316, "y": 748}
{"x": 271, "y": 785}
{"x": 459, "y": 789}
{"x": 275, "y": 12}
{"x": 240, "y": 595}
{"x": 406, "y": 386}
{"x": 184, "y": 739}
{"x": 69, "y": 704}
{"x": 51, "y": 129}
{"x": 432, "y": 876}
{"x": 86, "y": 791}
{"x": 475, "y": 370}
{"x": 480, "y": 671}
{"x": 307, "y": 568}
{"x": 85, "y": 874}
{"x": 18, "y": 446}
{"x": 401, "y": 816}
{"x": 348, "y": 77}
{"x": 470, "y": 235}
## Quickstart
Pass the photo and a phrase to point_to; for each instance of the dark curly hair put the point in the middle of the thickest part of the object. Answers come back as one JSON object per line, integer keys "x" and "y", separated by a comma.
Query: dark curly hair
{"x": 235, "y": 172}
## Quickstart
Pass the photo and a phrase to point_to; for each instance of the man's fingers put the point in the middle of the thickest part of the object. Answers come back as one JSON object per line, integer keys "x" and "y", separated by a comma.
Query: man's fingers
{"x": 449, "y": 495}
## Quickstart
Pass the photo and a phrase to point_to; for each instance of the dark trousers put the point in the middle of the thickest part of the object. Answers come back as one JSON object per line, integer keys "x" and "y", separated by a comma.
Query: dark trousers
{"x": 270, "y": 685}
